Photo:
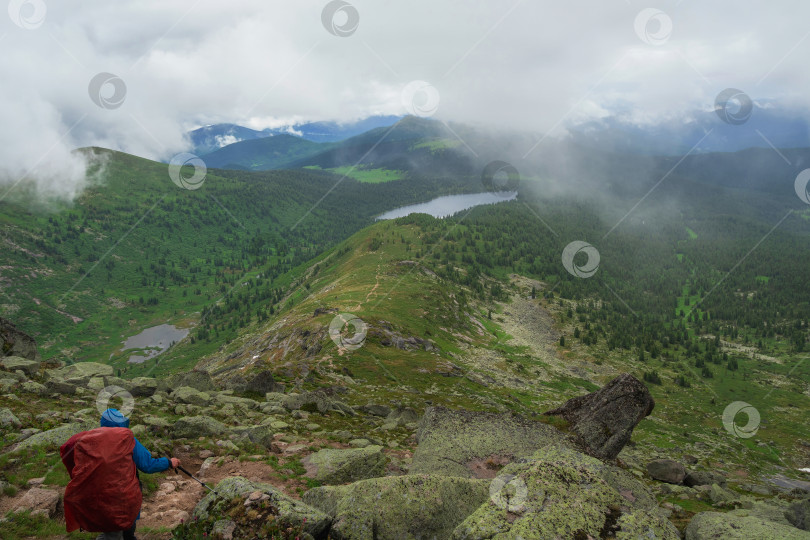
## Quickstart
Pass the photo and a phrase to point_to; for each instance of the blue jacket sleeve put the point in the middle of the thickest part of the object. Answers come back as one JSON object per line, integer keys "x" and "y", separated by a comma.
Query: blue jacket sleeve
{"x": 145, "y": 462}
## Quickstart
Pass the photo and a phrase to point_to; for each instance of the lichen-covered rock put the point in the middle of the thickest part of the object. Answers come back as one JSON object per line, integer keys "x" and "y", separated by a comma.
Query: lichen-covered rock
{"x": 57, "y": 386}
{"x": 402, "y": 416}
{"x": 197, "y": 426}
{"x": 79, "y": 374}
{"x": 376, "y": 410}
{"x": 245, "y": 404}
{"x": 798, "y": 514}
{"x": 398, "y": 507}
{"x": 33, "y": 387}
{"x": 15, "y": 342}
{"x": 308, "y": 401}
{"x": 561, "y": 493}
{"x": 262, "y": 434}
{"x": 56, "y": 436}
{"x": 199, "y": 380}
{"x": 704, "y": 478}
{"x": 720, "y": 496}
{"x": 142, "y": 386}
{"x": 459, "y": 443}
{"x": 261, "y": 383}
{"x": 191, "y": 396}
{"x": 767, "y": 509}
{"x": 604, "y": 420}
{"x": 712, "y": 525}
{"x": 8, "y": 419}
{"x": 13, "y": 363}
{"x": 336, "y": 466}
{"x": 289, "y": 510}
{"x": 667, "y": 470}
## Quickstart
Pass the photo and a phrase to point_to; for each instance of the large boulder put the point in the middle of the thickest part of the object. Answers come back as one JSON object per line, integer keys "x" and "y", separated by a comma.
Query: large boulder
{"x": 8, "y": 419}
{"x": 191, "y": 396}
{"x": 798, "y": 514}
{"x": 39, "y": 501}
{"x": 261, "y": 383}
{"x": 197, "y": 426}
{"x": 336, "y": 466}
{"x": 56, "y": 436}
{"x": 401, "y": 416}
{"x": 78, "y": 374}
{"x": 473, "y": 444}
{"x": 375, "y": 409}
{"x": 711, "y": 525}
{"x": 398, "y": 507}
{"x": 561, "y": 493}
{"x": 13, "y": 363}
{"x": 199, "y": 380}
{"x": 316, "y": 401}
{"x": 246, "y": 404}
{"x": 234, "y": 491}
{"x": 57, "y": 386}
{"x": 15, "y": 342}
{"x": 704, "y": 478}
{"x": 667, "y": 470}
{"x": 33, "y": 387}
{"x": 142, "y": 386}
{"x": 603, "y": 421}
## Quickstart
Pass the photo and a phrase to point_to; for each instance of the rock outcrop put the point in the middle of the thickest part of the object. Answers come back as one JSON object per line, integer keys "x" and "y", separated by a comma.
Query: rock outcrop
{"x": 798, "y": 514}
{"x": 15, "y": 342}
{"x": 704, "y": 478}
{"x": 403, "y": 507}
{"x": 78, "y": 374}
{"x": 561, "y": 493}
{"x": 27, "y": 366}
{"x": 472, "y": 444}
{"x": 666, "y": 470}
{"x": 236, "y": 491}
{"x": 603, "y": 421}
{"x": 711, "y": 525}
{"x": 197, "y": 426}
{"x": 336, "y": 466}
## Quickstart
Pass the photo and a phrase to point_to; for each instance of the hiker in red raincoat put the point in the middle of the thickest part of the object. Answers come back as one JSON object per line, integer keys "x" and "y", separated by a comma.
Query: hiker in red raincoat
{"x": 104, "y": 493}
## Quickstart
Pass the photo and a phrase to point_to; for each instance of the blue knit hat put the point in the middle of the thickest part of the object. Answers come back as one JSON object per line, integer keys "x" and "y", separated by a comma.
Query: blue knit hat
{"x": 114, "y": 418}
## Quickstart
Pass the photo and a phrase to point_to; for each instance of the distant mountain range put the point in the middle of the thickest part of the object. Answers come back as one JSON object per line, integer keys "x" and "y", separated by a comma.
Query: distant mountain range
{"x": 207, "y": 139}
{"x": 768, "y": 125}
{"x": 409, "y": 143}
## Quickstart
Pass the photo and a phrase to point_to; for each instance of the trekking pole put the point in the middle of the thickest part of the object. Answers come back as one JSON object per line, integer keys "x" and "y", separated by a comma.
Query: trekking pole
{"x": 206, "y": 486}
{"x": 197, "y": 479}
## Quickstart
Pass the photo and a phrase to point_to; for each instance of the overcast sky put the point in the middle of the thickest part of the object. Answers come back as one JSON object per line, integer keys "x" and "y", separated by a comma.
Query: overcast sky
{"x": 527, "y": 65}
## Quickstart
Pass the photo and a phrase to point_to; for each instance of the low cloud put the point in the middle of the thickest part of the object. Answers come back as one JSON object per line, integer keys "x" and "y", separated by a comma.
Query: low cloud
{"x": 528, "y": 66}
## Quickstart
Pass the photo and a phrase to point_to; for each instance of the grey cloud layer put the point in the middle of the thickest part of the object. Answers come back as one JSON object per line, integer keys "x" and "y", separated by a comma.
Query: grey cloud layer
{"x": 519, "y": 65}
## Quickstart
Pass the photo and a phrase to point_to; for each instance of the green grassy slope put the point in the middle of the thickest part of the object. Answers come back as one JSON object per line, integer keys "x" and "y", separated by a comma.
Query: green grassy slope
{"x": 136, "y": 250}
